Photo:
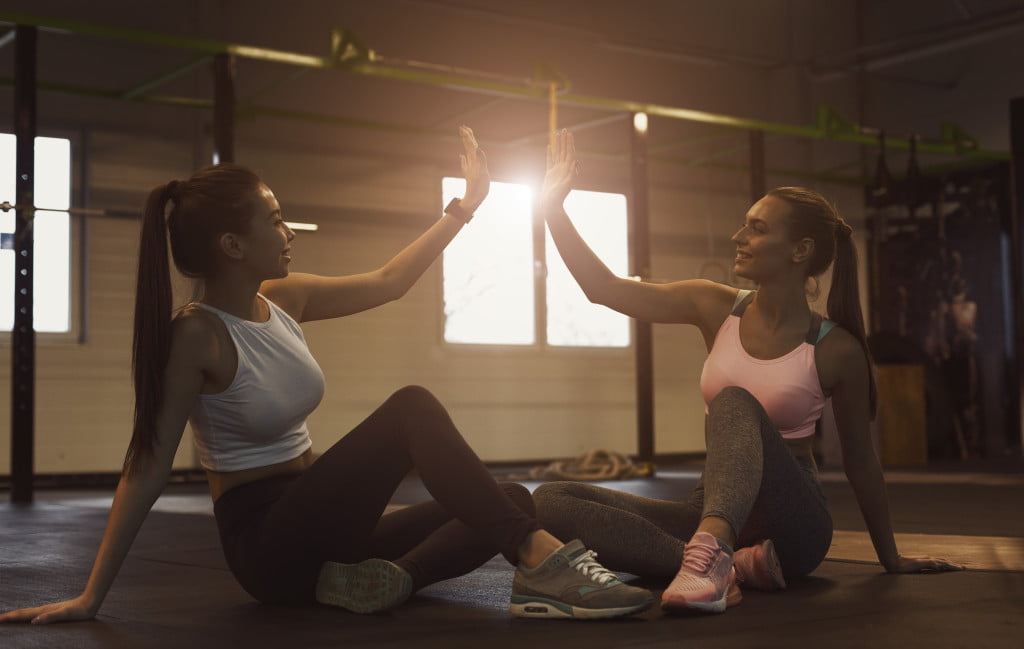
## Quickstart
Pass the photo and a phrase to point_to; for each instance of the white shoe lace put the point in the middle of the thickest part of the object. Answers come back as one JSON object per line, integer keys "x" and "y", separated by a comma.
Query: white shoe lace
{"x": 587, "y": 564}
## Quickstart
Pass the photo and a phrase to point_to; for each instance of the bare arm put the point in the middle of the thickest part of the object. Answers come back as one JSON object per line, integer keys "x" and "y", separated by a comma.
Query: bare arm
{"x": 698, "y": 302}
{"x": 844, "y": 370}
{"x": 314, "y": 297}
{"x": 135, "y": 496}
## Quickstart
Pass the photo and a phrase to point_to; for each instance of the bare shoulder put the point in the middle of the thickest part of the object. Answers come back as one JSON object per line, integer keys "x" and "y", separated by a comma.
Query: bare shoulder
{"x": 710, "y": 294}
{"x": 289, "y": 293}
{"x": 840, "y": 358}
{"x": 713, "y": 302}
{"x": 196, "y": 332}
{"x": 710, "y": 298}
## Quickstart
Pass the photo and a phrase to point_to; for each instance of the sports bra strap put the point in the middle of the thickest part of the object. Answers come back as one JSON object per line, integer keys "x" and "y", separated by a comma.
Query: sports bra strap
{"x": 812, "y": 333}
{"x": 819, "y": 326}
{"x": 826, "y": 326}
{"x": 743, "y": 299}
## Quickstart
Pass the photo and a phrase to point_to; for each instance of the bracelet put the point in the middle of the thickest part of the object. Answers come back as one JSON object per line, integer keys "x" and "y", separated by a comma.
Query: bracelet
{"x": 455, "y": 209}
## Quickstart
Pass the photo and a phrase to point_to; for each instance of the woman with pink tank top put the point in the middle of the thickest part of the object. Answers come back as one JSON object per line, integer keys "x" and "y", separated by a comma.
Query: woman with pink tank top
{"x": 757, "y": 516}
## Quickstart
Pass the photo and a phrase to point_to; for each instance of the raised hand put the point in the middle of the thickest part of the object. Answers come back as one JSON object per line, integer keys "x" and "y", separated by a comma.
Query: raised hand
{"x": 562, "y": 169}
{"x": 925, "y": 564}
{"x": 69, "y": 611}
{"x": 474, "y": 170}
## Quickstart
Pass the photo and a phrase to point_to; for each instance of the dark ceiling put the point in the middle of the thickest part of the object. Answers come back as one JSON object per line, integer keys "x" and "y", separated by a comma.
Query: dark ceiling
{"x": 415, "y": 69}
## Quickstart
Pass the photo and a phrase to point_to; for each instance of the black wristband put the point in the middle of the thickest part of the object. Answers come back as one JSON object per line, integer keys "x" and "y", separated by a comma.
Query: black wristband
{"x": 455, "y": 209}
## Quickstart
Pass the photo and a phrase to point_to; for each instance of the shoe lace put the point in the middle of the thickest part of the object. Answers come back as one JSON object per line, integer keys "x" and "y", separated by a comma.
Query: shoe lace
{"x": 698, "y": 556}
{"x": 587, "y": 564}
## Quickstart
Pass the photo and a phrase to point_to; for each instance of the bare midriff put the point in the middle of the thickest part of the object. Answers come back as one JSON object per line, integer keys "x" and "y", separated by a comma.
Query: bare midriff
{"x": 223, "y": 481}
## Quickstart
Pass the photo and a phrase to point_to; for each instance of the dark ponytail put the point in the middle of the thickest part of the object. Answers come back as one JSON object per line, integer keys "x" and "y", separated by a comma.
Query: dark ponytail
{"x": 213, "y": 201}
{"x": 151, "y": 341}
{"x": 814, "y": 217}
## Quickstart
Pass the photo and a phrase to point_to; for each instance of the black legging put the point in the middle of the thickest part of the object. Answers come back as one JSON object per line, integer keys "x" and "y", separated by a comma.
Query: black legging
{"x": 751, "y": 479}
{"x": 277, "y": 532}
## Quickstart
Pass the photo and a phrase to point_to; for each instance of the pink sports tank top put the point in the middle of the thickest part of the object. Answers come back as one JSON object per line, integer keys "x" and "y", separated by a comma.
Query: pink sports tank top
{"x": 786, "y": 387}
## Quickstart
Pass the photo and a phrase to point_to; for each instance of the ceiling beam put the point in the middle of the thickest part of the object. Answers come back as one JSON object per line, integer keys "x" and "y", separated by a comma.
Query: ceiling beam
{"x": 350, "y": 56}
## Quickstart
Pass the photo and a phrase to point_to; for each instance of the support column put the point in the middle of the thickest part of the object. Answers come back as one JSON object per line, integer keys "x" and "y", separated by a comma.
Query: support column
{"x": 641, "y": 249}
{"x": 1017, "y": 260}
{"x": 23, "y": 341}
{"x": 757, "y": 166}
{"x": 223, "y": 108}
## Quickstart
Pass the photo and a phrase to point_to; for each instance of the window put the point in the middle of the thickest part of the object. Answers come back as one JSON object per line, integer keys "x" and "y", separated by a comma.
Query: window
{"x": 492, "y": 270}
{"x": 51, "y": 231}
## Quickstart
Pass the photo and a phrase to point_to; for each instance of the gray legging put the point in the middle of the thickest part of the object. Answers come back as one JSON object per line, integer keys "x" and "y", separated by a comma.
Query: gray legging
{"x": 751, "y": 479}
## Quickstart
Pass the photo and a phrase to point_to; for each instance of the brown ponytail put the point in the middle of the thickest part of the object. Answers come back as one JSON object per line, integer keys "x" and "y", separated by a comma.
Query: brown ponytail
{"x": 814, "y": 217}
{"x": 151, "y": 341}
{"x": 213, "y": 201}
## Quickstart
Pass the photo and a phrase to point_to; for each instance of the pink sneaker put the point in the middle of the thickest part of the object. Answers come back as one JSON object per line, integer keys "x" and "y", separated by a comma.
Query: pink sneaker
{"x": 706, "y": 581}
{"x": 758, "y": 567}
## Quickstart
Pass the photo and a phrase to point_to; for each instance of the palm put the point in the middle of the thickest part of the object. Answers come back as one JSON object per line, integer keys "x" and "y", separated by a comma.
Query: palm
{"x": 474, "y": 170}
{"x": 562, "y": 169}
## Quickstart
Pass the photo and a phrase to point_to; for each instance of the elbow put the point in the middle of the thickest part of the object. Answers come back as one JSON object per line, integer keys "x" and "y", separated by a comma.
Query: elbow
{"x": 393, "y": 286}
{"x": 595, "y": 295}
{"x": 600, "y": 290}
{"x": 396, "y": 292}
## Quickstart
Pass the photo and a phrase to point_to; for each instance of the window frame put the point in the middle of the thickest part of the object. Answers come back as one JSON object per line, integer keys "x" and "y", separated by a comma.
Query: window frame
{"x": 540, "y": 346}
{"x": 77, "y": 234}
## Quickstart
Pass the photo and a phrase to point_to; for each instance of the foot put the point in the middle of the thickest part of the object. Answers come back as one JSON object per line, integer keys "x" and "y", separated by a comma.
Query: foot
{"x": 570, "y": 583}
{"x": 758, "y": 567}
{"x": 370, "y": 586}
{"x": 706, "y": 581}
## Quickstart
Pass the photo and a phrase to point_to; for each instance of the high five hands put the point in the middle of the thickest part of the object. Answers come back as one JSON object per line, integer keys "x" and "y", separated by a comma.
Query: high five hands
{"x": 562, "y": 169}
{"x": 474, "y": 170}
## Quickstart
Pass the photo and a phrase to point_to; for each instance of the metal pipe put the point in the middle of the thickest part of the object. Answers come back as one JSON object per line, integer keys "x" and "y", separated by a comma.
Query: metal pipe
{"x": 23, "y": 341}
{"x": 1017, "y": 262}
{"x": 161, "y": 79}
{"x": 641, "y": 249}
{"x": 916, "y": 46}
{"x": 7, "y": 206}
{"x": 757, "y": 166}
{"x": 369, "y": 64}
{"x": 223, "y": 108}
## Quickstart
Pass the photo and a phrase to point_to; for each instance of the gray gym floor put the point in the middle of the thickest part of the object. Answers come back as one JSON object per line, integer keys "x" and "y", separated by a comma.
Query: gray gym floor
{"x": 175, "y": 591}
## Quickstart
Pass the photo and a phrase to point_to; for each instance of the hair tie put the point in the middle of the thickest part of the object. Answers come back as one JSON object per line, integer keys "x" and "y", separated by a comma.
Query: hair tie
{"x": 173, "y": 191}
{"x": 843, "y": 229}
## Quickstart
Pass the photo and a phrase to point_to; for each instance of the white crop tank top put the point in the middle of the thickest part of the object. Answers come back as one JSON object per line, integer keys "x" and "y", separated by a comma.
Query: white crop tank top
{"x": 260, "y": 419}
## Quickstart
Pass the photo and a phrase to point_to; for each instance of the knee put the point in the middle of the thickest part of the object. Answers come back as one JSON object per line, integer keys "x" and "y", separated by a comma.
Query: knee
{"x": 553, "y": 501}
{"x": 414, "y": 399}
{"x": 520, "y": 496}
{"x": 733, "y": 400}
{"x": 413, "y": 393}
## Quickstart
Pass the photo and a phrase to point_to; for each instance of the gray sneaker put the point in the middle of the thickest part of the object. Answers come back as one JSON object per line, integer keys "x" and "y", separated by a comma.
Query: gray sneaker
{"x": 369, "y": 586}
{"x": 571, "y": 584}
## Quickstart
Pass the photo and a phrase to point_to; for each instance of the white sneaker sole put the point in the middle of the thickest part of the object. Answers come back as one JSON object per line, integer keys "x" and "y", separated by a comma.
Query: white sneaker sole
{"x": 732, "y": 597}
{"x": 543, "y": 608}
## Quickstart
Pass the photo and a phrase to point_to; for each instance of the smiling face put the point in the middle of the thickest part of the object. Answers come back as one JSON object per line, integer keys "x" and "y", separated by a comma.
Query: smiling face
{"x": 764, "y": 247}
{"x": 266, "y": 245}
